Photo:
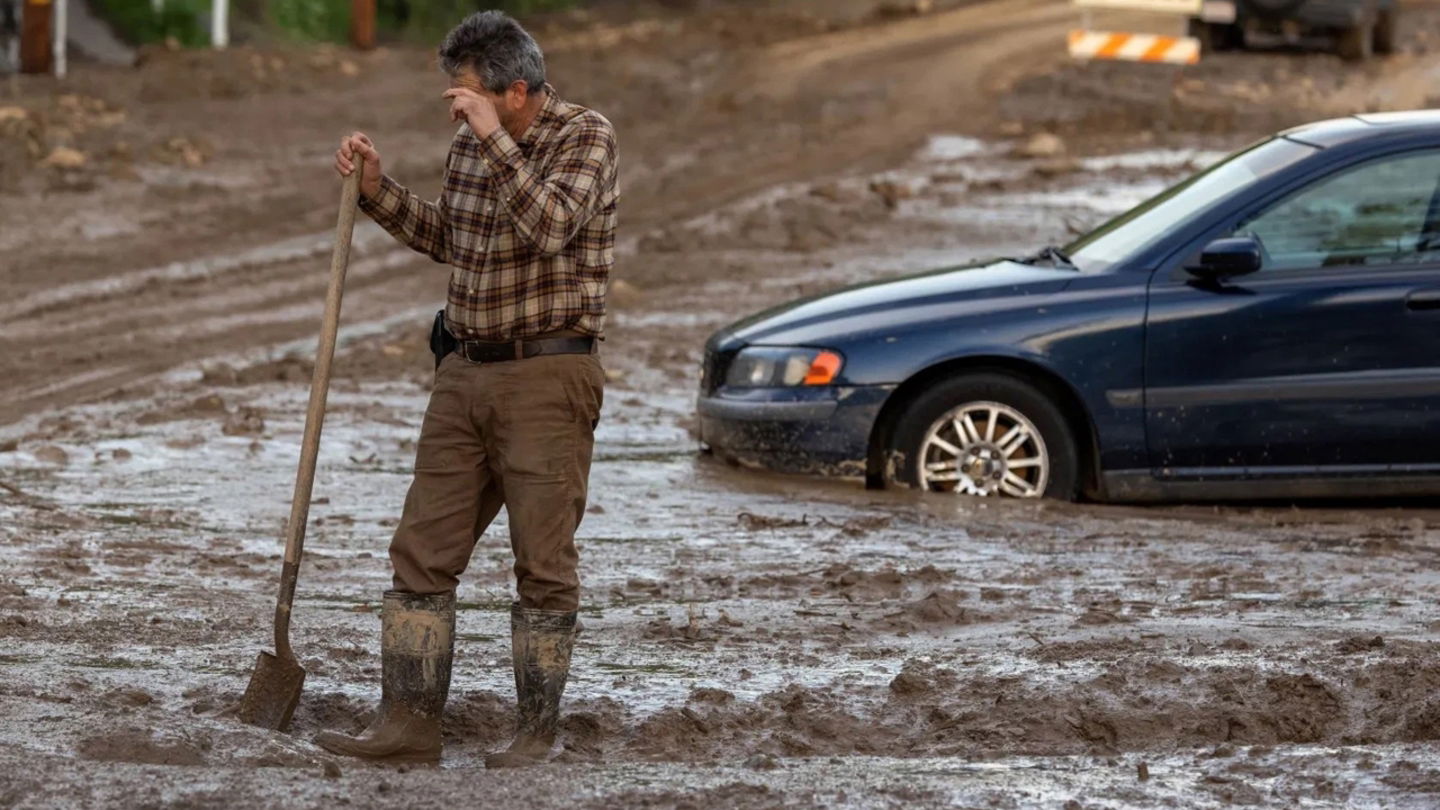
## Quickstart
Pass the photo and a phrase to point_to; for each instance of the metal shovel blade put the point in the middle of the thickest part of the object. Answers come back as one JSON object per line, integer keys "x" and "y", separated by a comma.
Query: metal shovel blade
{"x": 273, "y": 693}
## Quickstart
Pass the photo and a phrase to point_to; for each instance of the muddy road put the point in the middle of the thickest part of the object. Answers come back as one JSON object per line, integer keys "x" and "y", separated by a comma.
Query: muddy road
{"x": 751, "y": 640}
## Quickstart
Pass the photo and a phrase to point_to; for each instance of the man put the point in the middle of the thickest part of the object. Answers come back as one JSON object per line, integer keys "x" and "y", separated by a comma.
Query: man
{"x": 526, "y": 219}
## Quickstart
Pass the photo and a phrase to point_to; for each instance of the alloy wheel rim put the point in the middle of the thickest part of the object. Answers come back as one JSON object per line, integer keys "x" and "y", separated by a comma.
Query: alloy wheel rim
{"x": 985, "y": 449}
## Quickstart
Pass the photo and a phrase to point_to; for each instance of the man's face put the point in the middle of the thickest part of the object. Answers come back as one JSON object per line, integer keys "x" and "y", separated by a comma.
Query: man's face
{"x": 507, "y": 104}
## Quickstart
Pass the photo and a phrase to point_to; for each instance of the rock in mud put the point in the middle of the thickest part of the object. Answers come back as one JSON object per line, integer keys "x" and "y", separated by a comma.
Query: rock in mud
{"x": 708, "y": 694}
{"x": 892, "y": 192}
{"x": 292, "y": 368}
{"x": 1041, "y": 145}
{"x": 753, "y": 522}
{"x": 129, "y": 696}
{"x": 1098, "y": 616}
{"x": 1356, "y": 645}
{"x": 245, "y": 422}
{"x": 202, "y": 407}
{"x": 833, "y": 192}
{"x": 220, "y": 374}
{"x": 762, "y": 762}
{"x": 63, "y": 157}
{"x": 51, "y": 454}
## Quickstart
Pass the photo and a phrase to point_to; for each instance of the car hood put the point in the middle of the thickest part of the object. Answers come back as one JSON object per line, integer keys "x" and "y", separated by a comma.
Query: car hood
{"x": 882, "y": 305}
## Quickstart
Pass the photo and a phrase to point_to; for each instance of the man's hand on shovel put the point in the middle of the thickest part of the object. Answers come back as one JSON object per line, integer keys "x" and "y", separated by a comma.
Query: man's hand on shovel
{"x": 275, "y": 685}
{"x": 359, "y": 145}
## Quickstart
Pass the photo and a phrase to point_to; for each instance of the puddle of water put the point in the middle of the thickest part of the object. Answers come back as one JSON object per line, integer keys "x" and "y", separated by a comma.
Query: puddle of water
{"x": 953, "y": 147}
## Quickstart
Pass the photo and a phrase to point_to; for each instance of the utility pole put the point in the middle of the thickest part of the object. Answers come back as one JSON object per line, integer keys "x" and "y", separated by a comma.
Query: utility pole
{"x": 220, "y": 24}
{"x": 62, "y": 32}
{"x": 35, "y": 36}
{"x": 362, "y": 24}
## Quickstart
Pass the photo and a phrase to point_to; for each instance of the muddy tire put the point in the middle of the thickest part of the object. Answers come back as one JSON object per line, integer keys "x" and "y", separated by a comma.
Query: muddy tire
{"x": 1217, "y": 37}
{"x": 1384, "y": 39}
{"x": 1356, "y": 44}
{"x": 1015, "y": 443}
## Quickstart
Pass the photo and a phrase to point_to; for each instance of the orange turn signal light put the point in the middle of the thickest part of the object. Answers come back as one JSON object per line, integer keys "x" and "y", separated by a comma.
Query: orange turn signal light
{"x": 823, "y": 369}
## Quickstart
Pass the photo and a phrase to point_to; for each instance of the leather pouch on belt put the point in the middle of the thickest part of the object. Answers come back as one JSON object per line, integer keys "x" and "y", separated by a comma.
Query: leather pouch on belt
{"x": 442, "y": 342}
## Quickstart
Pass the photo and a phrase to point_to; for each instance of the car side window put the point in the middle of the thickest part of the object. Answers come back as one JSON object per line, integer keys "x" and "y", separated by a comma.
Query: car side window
{"x": 1385, "y": 212}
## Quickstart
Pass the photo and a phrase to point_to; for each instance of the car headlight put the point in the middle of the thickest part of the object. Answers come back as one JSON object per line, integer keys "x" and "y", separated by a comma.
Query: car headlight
{"x": 774, "y": 367}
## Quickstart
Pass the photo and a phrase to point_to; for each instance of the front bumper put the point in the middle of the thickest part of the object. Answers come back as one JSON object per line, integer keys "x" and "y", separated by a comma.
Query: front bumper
{"x": 823, "y": 429}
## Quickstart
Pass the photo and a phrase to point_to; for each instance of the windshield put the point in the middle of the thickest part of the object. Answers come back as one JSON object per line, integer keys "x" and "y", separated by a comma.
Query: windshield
{"x": 1147, "y": 223}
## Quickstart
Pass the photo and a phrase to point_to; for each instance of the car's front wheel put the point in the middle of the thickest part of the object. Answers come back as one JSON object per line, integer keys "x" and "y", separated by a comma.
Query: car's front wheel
{"x": 989, "y": 434}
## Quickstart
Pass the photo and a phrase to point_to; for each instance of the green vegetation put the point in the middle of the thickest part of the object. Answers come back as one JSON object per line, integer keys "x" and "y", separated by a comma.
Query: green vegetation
{"x": 187, "y": 21}
{"x": 138, "y": 21}
{"x": 311, "y": 20}
{"x": 430, "y": 19}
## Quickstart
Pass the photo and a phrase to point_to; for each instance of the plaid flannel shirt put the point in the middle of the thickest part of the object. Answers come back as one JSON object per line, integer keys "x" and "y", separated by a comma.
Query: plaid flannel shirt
{"x": 528, "y": 226}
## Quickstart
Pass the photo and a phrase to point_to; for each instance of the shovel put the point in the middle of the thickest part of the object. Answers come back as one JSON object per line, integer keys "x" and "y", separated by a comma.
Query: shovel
{"x": 274, "y": 689}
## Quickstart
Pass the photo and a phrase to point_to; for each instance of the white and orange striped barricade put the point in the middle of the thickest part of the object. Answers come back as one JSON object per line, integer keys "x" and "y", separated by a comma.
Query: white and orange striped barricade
{"x": 1130, "y": 46}
{"x": 1134, "y": 47}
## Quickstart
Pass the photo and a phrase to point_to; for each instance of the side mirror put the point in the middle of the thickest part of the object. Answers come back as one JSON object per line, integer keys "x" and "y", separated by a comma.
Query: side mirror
{"x": 1228, "y": 258}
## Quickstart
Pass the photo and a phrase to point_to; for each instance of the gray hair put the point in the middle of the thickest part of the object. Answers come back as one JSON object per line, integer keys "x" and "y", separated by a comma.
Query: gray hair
{"x": 497, "y": 48}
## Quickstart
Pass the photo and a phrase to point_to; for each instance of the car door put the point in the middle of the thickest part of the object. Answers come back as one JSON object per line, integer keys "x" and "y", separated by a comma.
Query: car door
{"x": 1327, "y": 360}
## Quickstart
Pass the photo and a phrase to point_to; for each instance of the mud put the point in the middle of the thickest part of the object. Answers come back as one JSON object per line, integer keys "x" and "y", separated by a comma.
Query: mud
{"x": 751, "y": 640}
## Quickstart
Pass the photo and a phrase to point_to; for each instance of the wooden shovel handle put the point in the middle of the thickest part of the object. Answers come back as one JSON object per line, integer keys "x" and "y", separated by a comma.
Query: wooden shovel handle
{"x": 315, "y": 414}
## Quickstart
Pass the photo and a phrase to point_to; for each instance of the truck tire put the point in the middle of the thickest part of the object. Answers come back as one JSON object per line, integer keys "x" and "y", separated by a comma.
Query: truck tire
{"x": 1217, "y": 37}
{"x": 1356, "y": 44}
{"x": 1384, "y": 40}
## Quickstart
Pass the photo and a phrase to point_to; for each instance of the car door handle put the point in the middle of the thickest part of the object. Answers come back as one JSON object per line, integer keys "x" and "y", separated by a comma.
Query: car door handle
{"x": 1423, "y": 299}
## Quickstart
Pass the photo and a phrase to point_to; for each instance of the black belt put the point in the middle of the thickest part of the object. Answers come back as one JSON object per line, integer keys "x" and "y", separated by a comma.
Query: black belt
{"x": 479, "y": 351}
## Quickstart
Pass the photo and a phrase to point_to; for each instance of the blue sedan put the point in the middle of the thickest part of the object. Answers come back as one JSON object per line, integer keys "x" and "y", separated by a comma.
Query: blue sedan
{"x": 1269, "y": 328}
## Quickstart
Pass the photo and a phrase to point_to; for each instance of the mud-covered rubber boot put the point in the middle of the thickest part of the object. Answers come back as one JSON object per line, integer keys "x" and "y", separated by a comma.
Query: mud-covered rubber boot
{"x": 417, "y": 645}
{"x": 541, "y": 642}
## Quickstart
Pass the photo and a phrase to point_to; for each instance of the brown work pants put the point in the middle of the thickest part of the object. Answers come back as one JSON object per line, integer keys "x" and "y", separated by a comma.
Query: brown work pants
{"x": 516, "y": 434}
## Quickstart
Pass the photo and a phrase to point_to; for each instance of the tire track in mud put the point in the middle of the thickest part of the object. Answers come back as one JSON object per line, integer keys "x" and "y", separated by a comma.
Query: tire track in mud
{"x": 210, "y": 308}
{"x": 207, "y": 268}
